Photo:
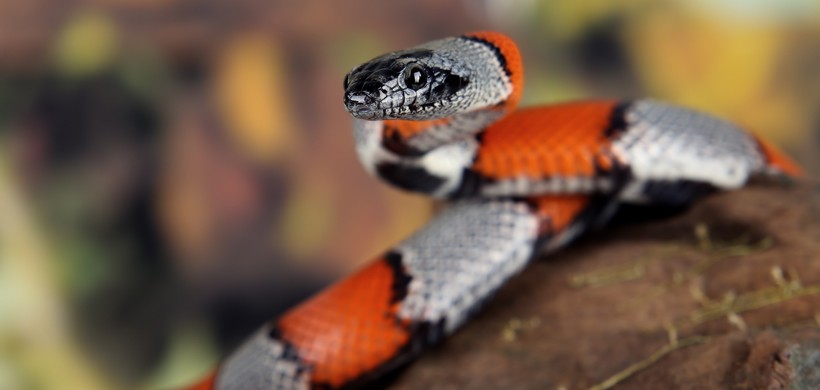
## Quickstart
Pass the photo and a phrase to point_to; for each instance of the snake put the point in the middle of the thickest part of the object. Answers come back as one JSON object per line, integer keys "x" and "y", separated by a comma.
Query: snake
{"x": 442, "y": 119}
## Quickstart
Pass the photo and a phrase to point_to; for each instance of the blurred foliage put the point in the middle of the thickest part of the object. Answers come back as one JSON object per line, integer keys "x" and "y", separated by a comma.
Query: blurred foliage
{"x": 250, "y": 77}
{"x": 87, "y": 44}
{"x": 174, "y": 172}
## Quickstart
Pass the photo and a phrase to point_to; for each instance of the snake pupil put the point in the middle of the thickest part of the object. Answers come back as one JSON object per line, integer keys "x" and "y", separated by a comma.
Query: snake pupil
{"x": 415, "y": 77}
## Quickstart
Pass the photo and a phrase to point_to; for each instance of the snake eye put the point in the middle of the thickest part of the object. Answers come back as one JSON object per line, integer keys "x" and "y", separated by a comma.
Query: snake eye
{"x": 415, "y": 76}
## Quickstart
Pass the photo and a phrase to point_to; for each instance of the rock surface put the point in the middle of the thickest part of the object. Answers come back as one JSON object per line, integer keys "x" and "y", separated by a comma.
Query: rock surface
{"x": 725, "y": 296}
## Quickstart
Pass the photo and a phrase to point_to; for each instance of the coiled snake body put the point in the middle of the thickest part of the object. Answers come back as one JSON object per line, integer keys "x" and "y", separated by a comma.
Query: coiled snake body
{"x": 439, "y": 119}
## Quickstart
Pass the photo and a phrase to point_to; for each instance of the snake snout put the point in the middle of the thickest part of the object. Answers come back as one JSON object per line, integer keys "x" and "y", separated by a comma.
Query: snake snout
{"x": 360, "y": 104}
{"x": 354, "y": 98}
{"x": 358, "y": 100}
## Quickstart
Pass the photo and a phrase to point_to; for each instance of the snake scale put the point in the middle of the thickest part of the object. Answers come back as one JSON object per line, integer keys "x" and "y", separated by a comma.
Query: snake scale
{"x": 441, "y": 119}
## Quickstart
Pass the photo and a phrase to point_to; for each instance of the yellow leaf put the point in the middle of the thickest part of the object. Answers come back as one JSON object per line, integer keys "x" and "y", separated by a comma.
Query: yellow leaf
{"x": 696, "y": 60}
{"x": 87, "y": 44}
{"x": 254, "y": 98}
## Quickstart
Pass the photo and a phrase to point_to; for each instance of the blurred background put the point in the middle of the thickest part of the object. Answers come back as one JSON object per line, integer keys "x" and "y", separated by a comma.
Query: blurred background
{"x": 175, "y": 172}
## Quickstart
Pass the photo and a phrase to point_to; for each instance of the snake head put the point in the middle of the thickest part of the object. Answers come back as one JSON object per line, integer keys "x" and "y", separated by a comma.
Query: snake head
{"x": 419, "y": 83}
{"x": 437, "y": 79}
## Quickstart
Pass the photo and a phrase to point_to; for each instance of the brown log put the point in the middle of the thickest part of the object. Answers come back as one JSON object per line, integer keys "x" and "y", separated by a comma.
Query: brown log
{"x": 724, "y": 296}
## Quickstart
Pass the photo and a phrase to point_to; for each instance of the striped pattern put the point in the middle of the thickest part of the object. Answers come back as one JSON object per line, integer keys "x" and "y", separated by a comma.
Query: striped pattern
{"x": 538, "y": 177}
{"x": 411, "y": 297}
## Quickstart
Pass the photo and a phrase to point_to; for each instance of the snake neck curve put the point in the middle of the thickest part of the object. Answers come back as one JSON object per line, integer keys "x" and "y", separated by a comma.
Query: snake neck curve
{"x": 418, "y": 112}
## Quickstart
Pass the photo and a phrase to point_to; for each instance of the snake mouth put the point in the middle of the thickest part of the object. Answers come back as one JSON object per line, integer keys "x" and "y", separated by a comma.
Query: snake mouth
{"x": 365, "y": 114}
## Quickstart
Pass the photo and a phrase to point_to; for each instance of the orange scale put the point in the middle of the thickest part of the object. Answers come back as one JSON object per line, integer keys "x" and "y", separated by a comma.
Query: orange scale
{"x": 558, "y": 212}
{"x": 208, "y": 383}
{"x": 777, "y": 159}
{"x": 357, "y": 330}
{"x": 605, "y": 162}
{"x": 558, "y": 131}
{"x": 566, "y": 164}
{"x": 585, "y": 163}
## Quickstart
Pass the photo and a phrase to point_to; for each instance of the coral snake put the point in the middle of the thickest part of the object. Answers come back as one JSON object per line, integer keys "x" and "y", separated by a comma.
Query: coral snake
{"x": 441, "y": 119}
